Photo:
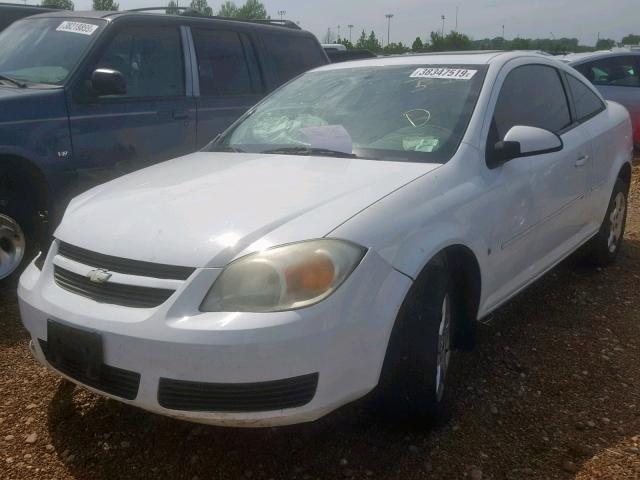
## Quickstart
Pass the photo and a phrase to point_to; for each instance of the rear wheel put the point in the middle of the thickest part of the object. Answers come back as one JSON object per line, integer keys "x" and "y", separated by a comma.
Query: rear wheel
{"x": 416, "y": 367}
{"x": 604, "y": 247}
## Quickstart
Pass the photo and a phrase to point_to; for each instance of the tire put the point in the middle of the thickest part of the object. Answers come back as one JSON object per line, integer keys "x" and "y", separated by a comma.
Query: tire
{"x": 603, "y": 249}
{"x": 415, "y": 370}
{"x": 17, "y": 233}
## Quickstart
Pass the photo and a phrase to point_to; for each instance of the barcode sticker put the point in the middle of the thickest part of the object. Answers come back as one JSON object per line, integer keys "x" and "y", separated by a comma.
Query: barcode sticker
{"x": 77, "y": 27}
{"x": 452, "y": 73}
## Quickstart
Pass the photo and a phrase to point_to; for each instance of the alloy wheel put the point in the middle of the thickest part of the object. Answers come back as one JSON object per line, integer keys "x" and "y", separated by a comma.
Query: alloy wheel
{"x": 616, "y": 220}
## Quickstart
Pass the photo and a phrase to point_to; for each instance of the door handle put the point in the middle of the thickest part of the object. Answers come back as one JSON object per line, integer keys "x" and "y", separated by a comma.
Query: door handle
{"x": 581, "y": 161}
{"x": 180, "y": 114}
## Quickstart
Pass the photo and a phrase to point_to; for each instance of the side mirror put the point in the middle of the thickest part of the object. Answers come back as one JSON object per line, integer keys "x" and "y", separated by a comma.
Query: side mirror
{"x": 105, "y": 81}
{"x": 523, "y": 141}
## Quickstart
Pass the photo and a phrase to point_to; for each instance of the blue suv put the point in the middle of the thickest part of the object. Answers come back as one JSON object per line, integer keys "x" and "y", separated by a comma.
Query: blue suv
{"x": 88, "y": 96}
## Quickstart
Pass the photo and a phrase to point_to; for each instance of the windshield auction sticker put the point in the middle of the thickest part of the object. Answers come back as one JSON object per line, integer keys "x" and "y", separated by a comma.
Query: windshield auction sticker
{"x": 77, "y": 27}
{"x": 452, "y": 73}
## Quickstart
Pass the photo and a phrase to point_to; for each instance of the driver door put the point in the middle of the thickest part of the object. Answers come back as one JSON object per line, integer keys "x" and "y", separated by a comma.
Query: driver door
{"x": 541, "y": 211}
{"x": 153, "y": 121}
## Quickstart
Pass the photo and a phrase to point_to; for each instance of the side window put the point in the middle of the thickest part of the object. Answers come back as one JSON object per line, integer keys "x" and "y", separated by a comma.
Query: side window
{"x": 614, "y": 71}
{"x": 532, "y": 96}
{"x": 293, "y": 55}
{"x": 149, "y": 58}
{"x": 587, "y": 103}
{"x": 227, "y": 63}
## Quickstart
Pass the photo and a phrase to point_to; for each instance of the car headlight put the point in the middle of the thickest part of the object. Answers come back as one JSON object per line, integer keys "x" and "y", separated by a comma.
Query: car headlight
{"x": 283, "y": 278}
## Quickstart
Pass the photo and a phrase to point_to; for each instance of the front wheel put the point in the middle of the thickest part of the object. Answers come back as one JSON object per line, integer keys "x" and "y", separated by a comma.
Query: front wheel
{"x": 13, "y": 245}
{"x": 17, "y": 232}
{"x": 604, "y": 247}
{"x": 416, "y": 366}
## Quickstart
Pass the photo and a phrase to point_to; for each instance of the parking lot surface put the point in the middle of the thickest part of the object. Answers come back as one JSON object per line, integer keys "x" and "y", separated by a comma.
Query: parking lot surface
{"x": 552, "y": 391}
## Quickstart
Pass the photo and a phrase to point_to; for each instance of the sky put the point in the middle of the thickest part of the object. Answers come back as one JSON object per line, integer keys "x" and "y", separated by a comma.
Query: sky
{"x": 582, "y": 19}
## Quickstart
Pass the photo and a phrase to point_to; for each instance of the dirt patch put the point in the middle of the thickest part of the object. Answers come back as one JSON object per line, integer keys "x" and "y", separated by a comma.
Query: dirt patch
{"x": 551, "y": 392}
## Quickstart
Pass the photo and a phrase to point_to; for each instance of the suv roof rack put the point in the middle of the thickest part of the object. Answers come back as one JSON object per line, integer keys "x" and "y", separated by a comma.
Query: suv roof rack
{"x": 28, "y": 6}
{"x": 277, "y": 23}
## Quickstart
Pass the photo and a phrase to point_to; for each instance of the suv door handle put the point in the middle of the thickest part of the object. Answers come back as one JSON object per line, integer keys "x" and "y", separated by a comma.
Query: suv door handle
{"x": 180, "y": 115}
{"x": 581, "y": 161}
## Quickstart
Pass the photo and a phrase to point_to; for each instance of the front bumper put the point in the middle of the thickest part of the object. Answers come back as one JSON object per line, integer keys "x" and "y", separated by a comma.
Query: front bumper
{"x": 340, "y": 342}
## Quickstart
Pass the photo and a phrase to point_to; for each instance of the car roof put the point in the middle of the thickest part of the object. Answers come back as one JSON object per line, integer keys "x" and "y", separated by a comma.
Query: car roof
{"x": 441, "y": 58}
{"x": 110, "y": 16}
{"x": 575, "y": 58}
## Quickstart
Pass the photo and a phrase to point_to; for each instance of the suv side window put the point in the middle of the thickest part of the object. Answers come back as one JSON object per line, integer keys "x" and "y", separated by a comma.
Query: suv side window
{"x": 532, "y": 96}
{"x": 293, "y": 55}
{"x": 149, "y": 58}
{"x": 586, "y": 102}
{"x": 620, "y": 71}
{"x": 227, "y": 63}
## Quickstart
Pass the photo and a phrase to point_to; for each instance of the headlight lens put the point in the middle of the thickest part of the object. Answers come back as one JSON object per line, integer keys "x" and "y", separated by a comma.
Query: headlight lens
{"x": 283, "y": 278}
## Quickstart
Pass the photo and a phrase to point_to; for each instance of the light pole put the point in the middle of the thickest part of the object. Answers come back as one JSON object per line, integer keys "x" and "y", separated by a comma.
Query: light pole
{"x": 389, "y": 16}
{"x": 457, "y": 8}
{"x": 350, "y": 28}
{"x": 282, "y": 13}
{"x": 338, "y": 33}
{"x": 443, "y": 18}
{"x": 502, "y": 31}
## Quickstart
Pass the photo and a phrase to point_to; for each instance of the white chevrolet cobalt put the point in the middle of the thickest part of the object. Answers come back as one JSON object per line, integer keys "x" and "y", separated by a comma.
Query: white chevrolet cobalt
{"x": 347, "y": 232}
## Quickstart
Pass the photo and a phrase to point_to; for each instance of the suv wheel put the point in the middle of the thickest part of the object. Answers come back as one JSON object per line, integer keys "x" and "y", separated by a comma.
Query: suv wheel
{"x": 12, "y": 246}
{"x": 17, "y": 234}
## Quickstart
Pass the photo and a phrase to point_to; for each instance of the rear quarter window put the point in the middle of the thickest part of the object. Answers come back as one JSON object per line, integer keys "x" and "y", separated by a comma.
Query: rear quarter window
{"x": 292, "y": 55}
{"x": 587, "y": 103}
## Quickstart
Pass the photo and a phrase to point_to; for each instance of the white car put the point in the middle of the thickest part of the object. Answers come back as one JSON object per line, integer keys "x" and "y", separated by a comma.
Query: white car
{"x": 347, "y": 232}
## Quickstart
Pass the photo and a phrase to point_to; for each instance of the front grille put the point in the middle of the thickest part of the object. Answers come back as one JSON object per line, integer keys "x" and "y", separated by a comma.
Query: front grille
{"x": 237, "y": 397}
{"x": 124, "y": 265}
{"x": 112, "y": 293}
{"x": 114, "y": 381}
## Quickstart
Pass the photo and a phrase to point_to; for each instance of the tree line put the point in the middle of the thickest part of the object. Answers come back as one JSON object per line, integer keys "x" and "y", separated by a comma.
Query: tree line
{"x": 437, "y": 42}
{"x": 251, "y": 10}
{"x": 458, "y": 41}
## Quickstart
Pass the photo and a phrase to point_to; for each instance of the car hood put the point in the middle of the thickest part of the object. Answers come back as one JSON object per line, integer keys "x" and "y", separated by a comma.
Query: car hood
{"x": 205, "y": 209}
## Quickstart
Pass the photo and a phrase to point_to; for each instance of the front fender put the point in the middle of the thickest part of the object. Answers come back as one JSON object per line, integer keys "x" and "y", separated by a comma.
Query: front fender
{"x": 415, "y": 252}
{"x": 413, "y": 224}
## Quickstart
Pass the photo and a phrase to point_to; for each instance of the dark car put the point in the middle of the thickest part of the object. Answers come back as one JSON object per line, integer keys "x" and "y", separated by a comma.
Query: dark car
{"x": 10, "y": 12}
{"x": 87, "y": 96}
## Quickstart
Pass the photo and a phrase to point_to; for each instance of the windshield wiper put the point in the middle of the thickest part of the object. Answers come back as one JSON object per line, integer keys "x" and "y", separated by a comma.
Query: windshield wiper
{"x": 17, "y": 83}
{"x": 324, "y": 152}
{"x": 224, "y": 148}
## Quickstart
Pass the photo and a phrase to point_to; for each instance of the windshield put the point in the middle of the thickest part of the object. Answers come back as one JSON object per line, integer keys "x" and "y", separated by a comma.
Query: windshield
{"x": 44, "y": 50}
{"x": 405, "y": 113}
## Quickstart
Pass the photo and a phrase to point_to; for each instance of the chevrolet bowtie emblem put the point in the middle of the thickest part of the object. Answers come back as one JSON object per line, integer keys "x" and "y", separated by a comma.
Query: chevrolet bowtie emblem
{"x": 99, "y": 275}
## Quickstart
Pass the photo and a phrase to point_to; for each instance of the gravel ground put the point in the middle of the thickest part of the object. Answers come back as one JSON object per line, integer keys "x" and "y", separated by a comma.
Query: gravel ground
{"x": 551, "y": 392}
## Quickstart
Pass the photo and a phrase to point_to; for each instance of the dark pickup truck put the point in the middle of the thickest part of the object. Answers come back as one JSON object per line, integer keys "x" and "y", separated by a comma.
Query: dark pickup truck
{"x": 88, "y": 96}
